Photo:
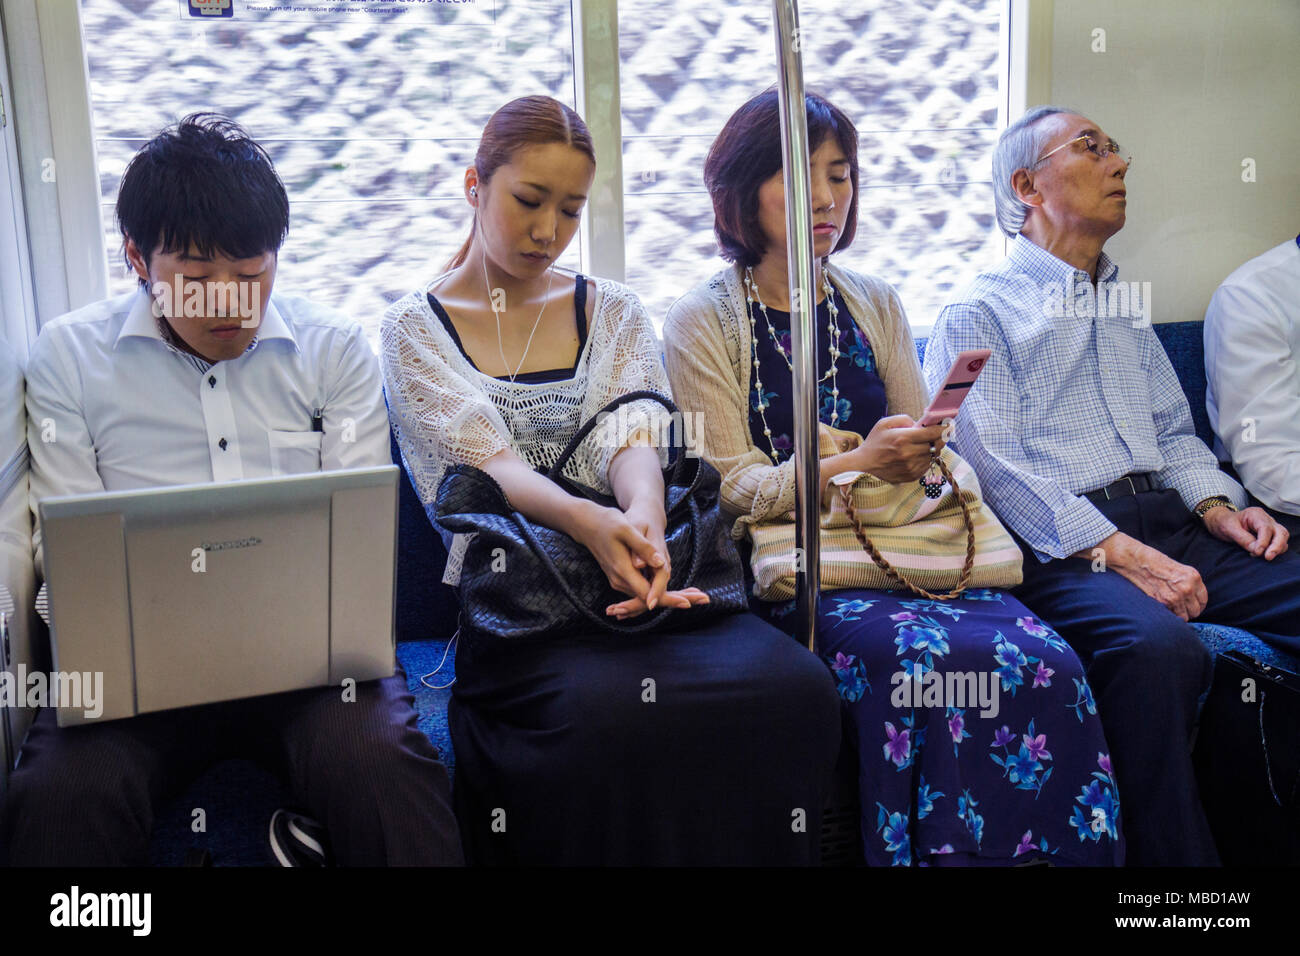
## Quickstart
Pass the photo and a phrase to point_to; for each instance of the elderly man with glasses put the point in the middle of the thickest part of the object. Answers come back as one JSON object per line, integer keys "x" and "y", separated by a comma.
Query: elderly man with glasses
{"x": 1083, "y": 443}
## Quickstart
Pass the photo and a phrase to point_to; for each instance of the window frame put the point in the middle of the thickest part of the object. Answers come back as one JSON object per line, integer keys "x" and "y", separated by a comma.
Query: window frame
{"x": 17, "y": 302}
{"x": 55, "y": 147}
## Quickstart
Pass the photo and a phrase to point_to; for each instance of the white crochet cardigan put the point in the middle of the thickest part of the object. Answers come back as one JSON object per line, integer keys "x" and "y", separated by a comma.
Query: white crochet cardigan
{"x": 444, "y": 411}
{"x": 709, "y": 353}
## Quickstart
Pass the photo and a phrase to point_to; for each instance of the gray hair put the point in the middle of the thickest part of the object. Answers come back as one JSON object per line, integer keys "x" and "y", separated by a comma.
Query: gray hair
{"x": 1018, "y": 147}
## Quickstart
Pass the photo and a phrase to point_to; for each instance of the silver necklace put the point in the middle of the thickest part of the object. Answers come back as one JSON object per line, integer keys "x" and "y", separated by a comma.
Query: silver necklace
{"x": 497, "y": 314}
{"x": 751, "y": 292}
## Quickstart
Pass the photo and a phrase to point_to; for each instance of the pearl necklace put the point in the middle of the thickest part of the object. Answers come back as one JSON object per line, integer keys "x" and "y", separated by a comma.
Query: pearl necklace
{"x": 832, "y": 326}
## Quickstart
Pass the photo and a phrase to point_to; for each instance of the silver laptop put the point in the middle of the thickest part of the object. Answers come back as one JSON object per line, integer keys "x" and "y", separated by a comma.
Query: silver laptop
{"x": 171, "y": 597}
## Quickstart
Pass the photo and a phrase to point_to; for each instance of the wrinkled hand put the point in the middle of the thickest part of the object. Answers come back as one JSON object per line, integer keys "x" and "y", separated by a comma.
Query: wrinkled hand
{"x": 1177, "y": 586}
{"x": 1254, "y": 529}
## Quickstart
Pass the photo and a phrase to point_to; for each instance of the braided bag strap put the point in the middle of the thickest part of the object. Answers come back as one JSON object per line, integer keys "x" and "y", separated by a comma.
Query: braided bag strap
{"x": 846, "y": 496}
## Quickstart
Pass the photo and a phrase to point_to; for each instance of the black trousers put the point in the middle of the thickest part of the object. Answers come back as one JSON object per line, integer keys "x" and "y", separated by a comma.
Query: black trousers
{"x": 1148, "y": 668}
{"x": 86, "y": 795}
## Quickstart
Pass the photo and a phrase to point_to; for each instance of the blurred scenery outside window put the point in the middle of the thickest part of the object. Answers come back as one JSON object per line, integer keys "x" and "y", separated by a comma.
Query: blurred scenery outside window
{"x": 918, "y": 78}
{"x": 371, "y": 110}
{"x": 370, "y": 114}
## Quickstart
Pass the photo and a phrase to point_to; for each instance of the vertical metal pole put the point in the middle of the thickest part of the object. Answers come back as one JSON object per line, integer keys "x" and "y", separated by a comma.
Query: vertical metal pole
{"x": 803, "y": 309}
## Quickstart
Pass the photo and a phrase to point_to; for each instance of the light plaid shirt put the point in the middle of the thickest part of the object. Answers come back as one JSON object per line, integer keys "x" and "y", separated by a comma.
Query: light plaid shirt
{"x": 1077, "y": 393}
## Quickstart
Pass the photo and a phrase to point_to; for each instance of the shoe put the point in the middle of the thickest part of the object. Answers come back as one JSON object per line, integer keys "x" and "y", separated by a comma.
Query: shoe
{"x": 298, "y": 840}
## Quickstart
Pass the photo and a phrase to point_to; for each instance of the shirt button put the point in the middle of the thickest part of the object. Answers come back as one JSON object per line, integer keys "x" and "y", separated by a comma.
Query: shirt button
{"x": 222, "y": 444}
{"x": 212, "y": 380}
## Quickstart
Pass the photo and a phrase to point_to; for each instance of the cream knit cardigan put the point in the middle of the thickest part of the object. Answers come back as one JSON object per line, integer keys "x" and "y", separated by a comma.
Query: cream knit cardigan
{"x": 708, "y": 351}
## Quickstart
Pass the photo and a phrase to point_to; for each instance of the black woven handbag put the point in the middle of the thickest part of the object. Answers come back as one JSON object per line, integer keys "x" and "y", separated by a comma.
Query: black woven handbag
{"x": 521, "y": 580}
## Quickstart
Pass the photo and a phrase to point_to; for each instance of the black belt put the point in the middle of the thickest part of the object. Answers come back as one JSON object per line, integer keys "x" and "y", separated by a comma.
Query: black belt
{"x": 1128, "y": 485}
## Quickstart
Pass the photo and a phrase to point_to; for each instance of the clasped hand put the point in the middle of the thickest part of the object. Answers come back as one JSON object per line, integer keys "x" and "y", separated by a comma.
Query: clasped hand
{"x": 1253, "y": 529}
{"x": 631, "y": 550}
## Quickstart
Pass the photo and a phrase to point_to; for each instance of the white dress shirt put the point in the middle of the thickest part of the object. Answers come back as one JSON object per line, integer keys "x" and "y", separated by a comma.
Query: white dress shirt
{"x": 112, "y": 406}
{"x": 1252, "y": 372}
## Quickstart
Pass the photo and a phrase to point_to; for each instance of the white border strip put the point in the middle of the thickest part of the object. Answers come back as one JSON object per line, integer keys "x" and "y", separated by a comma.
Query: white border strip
{"x": 17, "y": 296}
{"x": 56, "y": 150}
{"x": 67, "y": 85}
{"x": 1029, "y": 67}
{"x": 596, "y": 88}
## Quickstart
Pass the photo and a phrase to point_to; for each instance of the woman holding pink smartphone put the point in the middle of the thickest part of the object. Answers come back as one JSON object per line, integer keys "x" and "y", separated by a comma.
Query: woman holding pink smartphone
{"x": 1022, "y": 776}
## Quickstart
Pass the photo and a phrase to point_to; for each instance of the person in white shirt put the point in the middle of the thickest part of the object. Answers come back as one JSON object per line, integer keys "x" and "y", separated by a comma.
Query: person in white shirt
{"x": 1252, "y": 373}
{"x": 139, "y": 391}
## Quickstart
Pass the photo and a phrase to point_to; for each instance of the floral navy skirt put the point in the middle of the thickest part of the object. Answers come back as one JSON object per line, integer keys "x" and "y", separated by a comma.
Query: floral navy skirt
{"x": 978, "y": 739}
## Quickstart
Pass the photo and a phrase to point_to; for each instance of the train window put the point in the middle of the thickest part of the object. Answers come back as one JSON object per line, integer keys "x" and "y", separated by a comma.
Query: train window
{"x": 370, "y": 111}
{"x": 919, "y": 80}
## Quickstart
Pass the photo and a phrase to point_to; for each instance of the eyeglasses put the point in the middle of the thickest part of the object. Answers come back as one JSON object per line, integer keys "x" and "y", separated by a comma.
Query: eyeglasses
{"x": 1092, "y": 146}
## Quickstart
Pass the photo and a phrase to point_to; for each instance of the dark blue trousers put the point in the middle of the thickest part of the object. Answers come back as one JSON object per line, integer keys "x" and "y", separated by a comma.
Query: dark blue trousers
{"x": 1148, "y": 668}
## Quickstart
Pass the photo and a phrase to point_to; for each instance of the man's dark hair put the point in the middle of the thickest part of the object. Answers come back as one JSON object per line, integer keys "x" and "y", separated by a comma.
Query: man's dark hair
{"x": 203, "y": 182}
{"x": 748, "y": 152}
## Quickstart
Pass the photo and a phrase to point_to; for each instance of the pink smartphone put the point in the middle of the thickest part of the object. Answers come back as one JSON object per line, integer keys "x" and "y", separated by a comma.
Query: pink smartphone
{"x": 965, "y": 369}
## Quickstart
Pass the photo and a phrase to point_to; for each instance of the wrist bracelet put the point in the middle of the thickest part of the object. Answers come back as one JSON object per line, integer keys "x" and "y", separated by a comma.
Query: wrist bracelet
{"x": 1214, "y": 501}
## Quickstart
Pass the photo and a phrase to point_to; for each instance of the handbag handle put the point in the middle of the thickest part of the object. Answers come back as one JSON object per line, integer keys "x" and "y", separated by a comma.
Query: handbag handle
{"x": 581, "y": 434}
{"x": 846, "y": 496}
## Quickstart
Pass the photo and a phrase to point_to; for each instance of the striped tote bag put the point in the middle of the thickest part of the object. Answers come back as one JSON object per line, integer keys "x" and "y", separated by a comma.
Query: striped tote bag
{"x": 925, "y": 540}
